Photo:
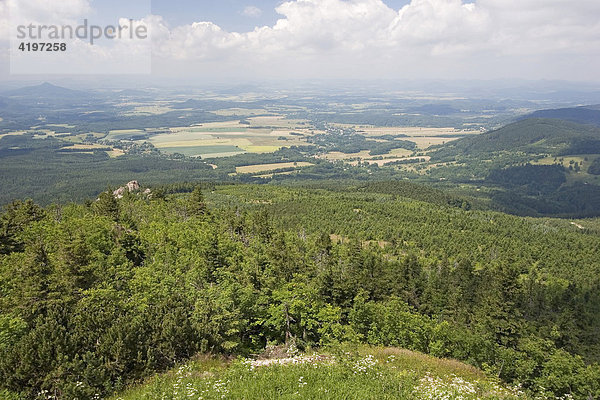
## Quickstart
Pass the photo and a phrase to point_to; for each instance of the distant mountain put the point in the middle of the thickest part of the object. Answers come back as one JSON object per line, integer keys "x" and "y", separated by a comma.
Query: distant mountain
{"x": 45, "y": 90}
{"x": 533, "y": 135}
{"x": 580, "y": 115}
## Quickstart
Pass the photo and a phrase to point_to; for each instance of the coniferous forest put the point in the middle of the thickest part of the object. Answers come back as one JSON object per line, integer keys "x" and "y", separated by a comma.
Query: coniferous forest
{"x": 96, "y": 296}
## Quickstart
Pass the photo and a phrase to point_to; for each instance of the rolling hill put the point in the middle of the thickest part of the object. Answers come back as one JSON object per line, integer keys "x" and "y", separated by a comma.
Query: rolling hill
{"x": 533, "y": 135}
{"x": 581, "y": 115}
{"x": 45, "y": 91}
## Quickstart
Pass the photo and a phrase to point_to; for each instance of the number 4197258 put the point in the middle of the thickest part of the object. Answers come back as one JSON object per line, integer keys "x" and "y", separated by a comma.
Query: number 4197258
{"x": 43, "y": 47}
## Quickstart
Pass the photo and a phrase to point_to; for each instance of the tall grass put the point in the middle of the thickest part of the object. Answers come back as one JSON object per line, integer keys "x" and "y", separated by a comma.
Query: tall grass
{"x": 366, "y": 373}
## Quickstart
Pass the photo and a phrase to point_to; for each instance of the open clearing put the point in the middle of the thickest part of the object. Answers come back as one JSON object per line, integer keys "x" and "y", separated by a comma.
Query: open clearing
{"x": 412, "y": 131}
{"x": 240, "y": 112}
{"x": 12, "y": 134}
{"x": 115, "y": 153}
{"x": 423, "y": 137}
{"x": 583, "y": 160}
{"x": 149, "y": 110}
{"x": 364, "y": 155}
{"x": 233, "y": 136}
{"x": 125, "y": 134}
{"x": 253, "y": 169}
{"x": 85, "y": 147}
{"x": 203, "y": 151}
{"x": 428, "y": 141}
{"x": 59, "y": 126}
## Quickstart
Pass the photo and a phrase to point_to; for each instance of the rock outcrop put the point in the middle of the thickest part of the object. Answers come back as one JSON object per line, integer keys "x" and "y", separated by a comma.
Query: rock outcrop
{"x": 131, "y": 187}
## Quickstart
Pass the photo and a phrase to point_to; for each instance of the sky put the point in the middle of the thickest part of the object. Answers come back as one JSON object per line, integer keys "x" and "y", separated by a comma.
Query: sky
{"x": 349, "y": 39}
{"x": 231, "y": 15}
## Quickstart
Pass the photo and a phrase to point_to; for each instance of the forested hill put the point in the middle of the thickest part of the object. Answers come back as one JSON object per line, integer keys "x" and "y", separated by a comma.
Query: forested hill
{"x": 96, "y": 296}
{"x": 46, "y": 91}
{"x": 533, "y": 135}
{"x": 581, "y": 115}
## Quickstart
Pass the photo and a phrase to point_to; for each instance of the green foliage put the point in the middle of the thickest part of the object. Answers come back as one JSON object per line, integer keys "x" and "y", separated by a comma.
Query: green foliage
{"x": 107, "y": 205}
{"x": 594, "y": 169}
{"x": 17, "y": 217}
{"x": 196, "y": 205}
{"x": 533, "y": 135}
{"x": 94, "y": 298}
{"x": 347, "y": 141}
{"x": 531, "y": 178}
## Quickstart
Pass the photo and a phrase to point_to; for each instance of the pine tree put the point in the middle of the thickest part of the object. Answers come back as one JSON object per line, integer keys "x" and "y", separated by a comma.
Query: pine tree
{"x": 107, "y": 205}
{"x": 196, "y": 205}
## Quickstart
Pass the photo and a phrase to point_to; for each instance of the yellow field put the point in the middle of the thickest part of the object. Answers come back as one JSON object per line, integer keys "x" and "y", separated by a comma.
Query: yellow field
{"x": 115, "y": 153}
{"x": 364, "y": 155}
{"x": 278, "y": 122}
{"x": 127, "y": 131}
{"x": 400, "y": 153}
{"x": 264, "y": 135}
{"x": 149, "y": 110}
{"x": 86, "y": 147}
{"x": 566, "y": 160}
{"x": 428, "y": 141}
{"x": 123, "y": 133}
{"x": 412, "y": 131}
{"x": 423, "y": 137}
{"x": 193, "y": 141}
{"x": 59, "y": 126}
{"x": 338, "y": 156}
{"x": 12, "y": 134}
{"x": 241, "y": 112}
{"x": 253, "y": 169}
{"x": 261, "y": 149}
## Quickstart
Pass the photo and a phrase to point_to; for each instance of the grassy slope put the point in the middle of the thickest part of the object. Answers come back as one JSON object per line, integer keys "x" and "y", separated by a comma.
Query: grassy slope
{"x": 367, "y": 373}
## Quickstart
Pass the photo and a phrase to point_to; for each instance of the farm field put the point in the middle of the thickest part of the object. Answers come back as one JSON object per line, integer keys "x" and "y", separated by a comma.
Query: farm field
{"x": 205, "y": 151}
{"x": 222, "y": 139}
{"x": 253, "y": 169}
{"x": 364, "y": 155}
{"x": 423, "y": 137}
{"x": 149, "y": 109}
{"x": 125, "y": 134}
{"x": 240, "y": 112}
{"x": 12, "y": 134}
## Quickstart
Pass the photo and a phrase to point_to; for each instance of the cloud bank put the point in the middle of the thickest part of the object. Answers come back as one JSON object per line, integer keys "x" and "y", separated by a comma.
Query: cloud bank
{"x": 367, "y": 39}
{"x": 426, "y": 38}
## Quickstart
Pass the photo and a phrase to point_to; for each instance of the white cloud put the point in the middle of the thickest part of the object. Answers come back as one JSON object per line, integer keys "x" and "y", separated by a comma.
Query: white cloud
{"x": 252, "y": 12}
{"x": 124, "y": 54}
{"x": 51, "y": 12}
{"x": 366, "y": 38}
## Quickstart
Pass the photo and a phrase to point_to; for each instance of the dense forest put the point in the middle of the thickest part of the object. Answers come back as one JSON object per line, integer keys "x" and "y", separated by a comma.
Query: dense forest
{"x": 528, "y": 136}
{"x": 97, "y": 295}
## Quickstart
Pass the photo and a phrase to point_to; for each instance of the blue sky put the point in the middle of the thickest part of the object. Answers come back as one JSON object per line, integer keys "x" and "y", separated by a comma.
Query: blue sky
{"x": 228, "y": 14}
